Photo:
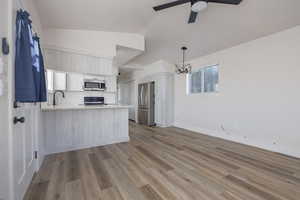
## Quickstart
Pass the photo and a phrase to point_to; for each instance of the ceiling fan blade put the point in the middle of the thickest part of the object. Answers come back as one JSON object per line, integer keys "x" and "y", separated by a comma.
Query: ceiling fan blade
{"x": 169, "y": 5}
{"x": 234, "y": 2}
{"x": 193, "y": 17}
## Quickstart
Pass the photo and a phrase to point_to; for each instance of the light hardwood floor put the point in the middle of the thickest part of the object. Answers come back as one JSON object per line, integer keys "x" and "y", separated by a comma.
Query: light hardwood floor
{"x": 168, "y": 164}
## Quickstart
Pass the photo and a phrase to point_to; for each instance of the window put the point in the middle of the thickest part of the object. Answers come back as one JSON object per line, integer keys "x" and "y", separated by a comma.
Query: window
{"x": 205, "y": 80}
{"x": 49, "y": 74}
{"x": 195, "y": 82}
{"x": 211, "y": 78}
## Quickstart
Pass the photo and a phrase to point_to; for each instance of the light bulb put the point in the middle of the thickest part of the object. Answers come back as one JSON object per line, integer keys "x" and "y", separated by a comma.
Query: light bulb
{"x": 199, "y": 6}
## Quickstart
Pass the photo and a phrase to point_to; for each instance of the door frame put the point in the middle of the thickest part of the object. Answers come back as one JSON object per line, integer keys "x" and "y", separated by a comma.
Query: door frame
{"x": 10, "y": 96}
{"x": 5, "y": 147}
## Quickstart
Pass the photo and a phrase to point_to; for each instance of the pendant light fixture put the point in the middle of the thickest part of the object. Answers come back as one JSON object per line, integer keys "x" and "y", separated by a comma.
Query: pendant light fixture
{"x": 184, "y": 68}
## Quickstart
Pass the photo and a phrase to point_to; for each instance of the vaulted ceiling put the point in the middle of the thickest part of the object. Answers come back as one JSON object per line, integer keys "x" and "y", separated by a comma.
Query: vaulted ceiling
{"x": 218, "y": 27}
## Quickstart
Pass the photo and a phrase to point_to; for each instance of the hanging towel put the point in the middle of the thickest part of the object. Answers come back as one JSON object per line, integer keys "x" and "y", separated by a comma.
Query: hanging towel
{"x": 30, "y": 85}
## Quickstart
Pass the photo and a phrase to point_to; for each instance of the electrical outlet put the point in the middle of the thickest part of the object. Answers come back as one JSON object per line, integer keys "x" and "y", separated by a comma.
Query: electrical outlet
{"x": 222, "y": 127}
{"x": 224, "y": 130}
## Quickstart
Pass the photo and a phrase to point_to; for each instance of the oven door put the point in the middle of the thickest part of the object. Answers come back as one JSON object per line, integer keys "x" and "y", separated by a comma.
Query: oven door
{"x": 93, "y": 100}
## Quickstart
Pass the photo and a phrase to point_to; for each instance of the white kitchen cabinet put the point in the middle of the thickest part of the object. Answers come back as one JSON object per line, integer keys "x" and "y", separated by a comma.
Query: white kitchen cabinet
{"x": 76, "y": 62}
{"x": 94, "y": 77}
{"x": 75, "y": 82}
{"x": 72, "y": 129}
{"x": 111, "y": 83}
{"x": 51, "y": 59}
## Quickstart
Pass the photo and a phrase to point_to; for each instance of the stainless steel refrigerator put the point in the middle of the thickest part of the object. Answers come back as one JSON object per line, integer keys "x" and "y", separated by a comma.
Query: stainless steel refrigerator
{"x": 146, "y": 100}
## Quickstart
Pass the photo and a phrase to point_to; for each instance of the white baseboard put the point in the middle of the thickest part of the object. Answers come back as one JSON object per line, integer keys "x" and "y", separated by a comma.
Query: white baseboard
{"x": 218, "y": 134}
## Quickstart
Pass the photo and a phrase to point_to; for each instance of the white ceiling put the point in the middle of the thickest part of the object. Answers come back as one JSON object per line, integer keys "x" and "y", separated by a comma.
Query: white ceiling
{"x": 218, "y": 27}
{"x": 124, "y": 55}
{"x": 129, "y": 16}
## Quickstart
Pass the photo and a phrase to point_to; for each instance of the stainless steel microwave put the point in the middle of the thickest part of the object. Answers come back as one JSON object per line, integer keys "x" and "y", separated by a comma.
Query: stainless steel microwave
{"x": 94, "y": 85}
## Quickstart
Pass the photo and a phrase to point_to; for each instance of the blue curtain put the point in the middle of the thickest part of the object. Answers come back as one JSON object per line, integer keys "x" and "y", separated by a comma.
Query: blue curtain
{"x": 30, "y": 83}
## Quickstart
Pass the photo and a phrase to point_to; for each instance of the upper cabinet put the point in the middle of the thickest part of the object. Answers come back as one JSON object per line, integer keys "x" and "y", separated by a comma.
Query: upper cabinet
{"x": 111, "y": 83}
{"x": 74, "y": 62}
{"x": 74, "y": 82}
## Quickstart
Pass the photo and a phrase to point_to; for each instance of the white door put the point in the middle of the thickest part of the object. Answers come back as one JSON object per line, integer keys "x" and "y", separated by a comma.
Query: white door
{"x": 23, "y": 149}
{"x": 22, "y": 132}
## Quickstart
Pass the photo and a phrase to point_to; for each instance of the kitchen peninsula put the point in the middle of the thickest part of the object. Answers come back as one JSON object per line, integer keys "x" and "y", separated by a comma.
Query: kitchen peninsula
{"x": 69, "y": 128}
{"x": 82, "y": 109}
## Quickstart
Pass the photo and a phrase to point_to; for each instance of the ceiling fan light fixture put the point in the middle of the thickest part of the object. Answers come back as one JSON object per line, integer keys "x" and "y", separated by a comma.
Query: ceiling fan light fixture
{"x": 199, "y": 6}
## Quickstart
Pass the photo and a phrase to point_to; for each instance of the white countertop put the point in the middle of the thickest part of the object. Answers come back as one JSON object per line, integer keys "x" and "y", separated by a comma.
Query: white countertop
{"x": 83, "y": 107}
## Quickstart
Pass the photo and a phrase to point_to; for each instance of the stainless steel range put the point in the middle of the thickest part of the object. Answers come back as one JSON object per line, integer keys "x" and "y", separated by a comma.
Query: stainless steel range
{"x": 90, "y": 101}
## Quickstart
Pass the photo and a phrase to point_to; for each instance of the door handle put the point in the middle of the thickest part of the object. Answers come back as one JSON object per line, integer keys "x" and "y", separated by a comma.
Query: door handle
{"x": 19, "y": 120}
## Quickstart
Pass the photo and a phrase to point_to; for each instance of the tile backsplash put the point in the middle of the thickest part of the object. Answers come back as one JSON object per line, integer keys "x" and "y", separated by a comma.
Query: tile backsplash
{"x": 76, "y": 98}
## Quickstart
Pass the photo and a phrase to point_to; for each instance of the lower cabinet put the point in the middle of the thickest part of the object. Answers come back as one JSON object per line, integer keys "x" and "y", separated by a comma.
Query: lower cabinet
{"x": 67, "y": 130}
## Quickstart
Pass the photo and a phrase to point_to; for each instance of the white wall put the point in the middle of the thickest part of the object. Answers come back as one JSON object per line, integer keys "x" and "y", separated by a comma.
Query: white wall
{"x": 258, "y": 101}
{"x": 95, "y": 43}
{"x": 4, "y": 135}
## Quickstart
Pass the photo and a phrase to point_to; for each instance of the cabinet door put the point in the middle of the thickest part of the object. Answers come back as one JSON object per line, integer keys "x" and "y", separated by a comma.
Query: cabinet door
{"x": 60, "y": 81}
{"x": 75, "y": 82}
{"x": 111, "y": 83}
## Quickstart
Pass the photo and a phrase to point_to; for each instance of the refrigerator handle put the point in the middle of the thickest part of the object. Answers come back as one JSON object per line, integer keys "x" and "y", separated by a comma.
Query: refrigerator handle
{"x": 142, "y": 91}
{"x": 139, "y": 96}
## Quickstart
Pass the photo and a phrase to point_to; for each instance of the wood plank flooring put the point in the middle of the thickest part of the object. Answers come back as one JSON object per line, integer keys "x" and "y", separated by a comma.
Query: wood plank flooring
{"x": 168, "y": 164}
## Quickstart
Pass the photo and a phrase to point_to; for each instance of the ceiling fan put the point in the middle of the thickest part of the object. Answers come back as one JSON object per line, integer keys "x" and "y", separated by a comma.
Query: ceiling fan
{"x": 196, "y": 6}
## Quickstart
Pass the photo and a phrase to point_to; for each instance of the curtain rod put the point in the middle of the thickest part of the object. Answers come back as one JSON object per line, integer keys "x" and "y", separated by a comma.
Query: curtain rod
{"x": 21, "y": 5}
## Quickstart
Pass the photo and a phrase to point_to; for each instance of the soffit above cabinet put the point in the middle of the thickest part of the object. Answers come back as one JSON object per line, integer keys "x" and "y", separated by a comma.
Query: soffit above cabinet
{"x": 80, "y": 63}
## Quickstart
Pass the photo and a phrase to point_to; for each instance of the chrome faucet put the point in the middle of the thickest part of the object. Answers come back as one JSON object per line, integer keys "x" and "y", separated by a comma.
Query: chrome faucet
{"x": 54, "y": 94}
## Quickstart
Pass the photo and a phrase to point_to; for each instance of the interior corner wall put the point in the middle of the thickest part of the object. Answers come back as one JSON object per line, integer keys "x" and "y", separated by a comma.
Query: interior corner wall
{"x": 258, "y": 99}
